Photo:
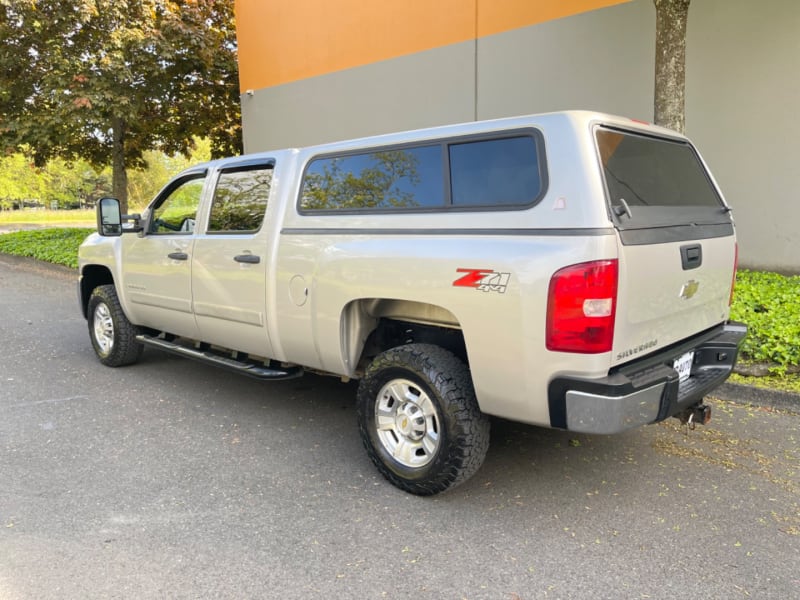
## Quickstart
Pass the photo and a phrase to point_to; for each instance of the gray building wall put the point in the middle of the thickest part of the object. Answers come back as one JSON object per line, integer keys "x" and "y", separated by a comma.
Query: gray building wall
{"x": 742, "y": 88}
{"x": 742, "y": 101}
{"x": 420, "y": 90}
{"x": 600, "y": 60}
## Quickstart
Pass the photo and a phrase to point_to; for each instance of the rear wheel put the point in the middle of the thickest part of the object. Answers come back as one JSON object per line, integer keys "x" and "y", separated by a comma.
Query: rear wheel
{"x": 419, "y": 419}
{"x": 113, "y": 336}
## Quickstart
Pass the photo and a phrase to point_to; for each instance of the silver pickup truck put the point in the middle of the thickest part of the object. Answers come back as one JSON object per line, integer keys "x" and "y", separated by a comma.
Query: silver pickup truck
{"x": 571, "y": 270}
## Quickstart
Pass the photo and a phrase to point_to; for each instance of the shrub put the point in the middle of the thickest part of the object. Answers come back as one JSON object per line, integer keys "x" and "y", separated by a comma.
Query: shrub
{"x": 770, "y": 305}
{"x": 59, "y": 246}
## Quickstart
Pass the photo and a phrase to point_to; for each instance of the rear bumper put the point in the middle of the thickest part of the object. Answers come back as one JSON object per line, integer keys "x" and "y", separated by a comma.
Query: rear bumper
{"x": 647, "y": 390}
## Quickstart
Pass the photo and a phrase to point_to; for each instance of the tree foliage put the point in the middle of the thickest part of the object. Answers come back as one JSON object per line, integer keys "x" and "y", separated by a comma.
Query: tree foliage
{"x": 108, "y": 80}
{"x": 77, "y": 183}
{"x": 144, "y": 184}
{"x": 58, "y": 184}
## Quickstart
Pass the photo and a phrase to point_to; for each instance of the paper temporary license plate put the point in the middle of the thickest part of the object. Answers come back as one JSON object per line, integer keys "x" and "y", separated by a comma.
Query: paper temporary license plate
{"x": 683, "y": 365}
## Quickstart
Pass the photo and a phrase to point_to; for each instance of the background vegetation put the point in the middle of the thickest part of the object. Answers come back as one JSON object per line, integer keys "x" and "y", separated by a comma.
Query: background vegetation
{"x": 59, "y": 184}
{"x": 105, "y": 82}
{"x": 770, "y": 305}
{"x": 58, "y": 246}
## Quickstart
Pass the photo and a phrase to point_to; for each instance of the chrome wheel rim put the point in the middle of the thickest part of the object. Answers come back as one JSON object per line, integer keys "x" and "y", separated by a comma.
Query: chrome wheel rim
{"x": 407, "y": 423}
{"x": 103, "y": 328}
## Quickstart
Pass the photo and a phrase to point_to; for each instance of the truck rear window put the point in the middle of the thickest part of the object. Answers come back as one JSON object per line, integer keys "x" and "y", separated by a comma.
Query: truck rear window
{"x": 647, "y": 171}
{"x": 658, "y": 189}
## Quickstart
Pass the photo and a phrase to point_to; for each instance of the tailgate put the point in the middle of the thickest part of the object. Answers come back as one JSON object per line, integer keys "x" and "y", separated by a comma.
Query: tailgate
{"x": 677, "y": 248}
{"x": 661, "y": 302}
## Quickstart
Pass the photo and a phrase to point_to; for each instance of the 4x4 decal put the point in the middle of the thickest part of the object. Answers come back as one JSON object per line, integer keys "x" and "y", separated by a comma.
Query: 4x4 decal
{"x": 485, "y": 280}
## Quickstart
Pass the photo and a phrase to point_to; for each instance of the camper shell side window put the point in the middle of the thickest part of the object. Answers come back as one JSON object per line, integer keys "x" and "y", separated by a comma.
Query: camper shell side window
{"x": 483, "y": 172}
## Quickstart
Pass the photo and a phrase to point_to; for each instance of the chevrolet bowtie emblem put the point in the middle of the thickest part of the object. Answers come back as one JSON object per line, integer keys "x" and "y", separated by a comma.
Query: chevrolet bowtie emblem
{"x": 689, "y": 289}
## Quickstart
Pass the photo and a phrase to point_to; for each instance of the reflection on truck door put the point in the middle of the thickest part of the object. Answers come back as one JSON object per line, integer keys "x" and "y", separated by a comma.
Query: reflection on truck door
{"x": 157, "y": 265}
{"x": 229, "y": 263}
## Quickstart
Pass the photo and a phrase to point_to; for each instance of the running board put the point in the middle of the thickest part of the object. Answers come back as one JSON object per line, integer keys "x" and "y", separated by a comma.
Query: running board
{"x": 238, "y": 366}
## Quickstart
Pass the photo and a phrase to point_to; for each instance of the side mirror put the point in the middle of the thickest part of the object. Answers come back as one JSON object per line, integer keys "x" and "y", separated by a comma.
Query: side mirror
{"x": 111, "y": 223}
{"x": 109, "y": 218}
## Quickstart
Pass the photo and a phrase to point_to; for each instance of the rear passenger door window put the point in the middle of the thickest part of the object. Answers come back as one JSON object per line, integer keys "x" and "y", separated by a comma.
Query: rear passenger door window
{"x": 240, "y": 200}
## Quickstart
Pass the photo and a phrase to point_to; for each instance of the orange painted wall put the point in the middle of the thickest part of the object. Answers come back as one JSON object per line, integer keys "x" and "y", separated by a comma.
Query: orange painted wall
{"x": 289, "y": 40}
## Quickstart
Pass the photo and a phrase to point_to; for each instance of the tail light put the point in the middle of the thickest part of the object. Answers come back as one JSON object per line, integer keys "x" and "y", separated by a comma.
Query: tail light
{"x": 581, "y": 306}
{"x": 735, "y": 268}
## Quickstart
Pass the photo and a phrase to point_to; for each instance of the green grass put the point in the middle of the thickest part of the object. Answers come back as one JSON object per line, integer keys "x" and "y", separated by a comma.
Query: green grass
{"x": 59, "y": 246}
{"x": 52, "y": 218}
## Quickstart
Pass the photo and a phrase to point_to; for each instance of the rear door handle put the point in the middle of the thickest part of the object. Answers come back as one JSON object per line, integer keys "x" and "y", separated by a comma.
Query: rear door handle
{"x": 247, "y": 258}
{"x": 178, "y": 256}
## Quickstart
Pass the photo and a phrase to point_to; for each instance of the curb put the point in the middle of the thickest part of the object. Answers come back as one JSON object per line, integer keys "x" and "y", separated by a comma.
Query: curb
{"x": 748, "y": 394}
{"x": 33, "y": 264}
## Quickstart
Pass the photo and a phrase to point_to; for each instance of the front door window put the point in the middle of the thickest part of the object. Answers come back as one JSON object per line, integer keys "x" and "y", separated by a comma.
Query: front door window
{"x": 177, "y": 212}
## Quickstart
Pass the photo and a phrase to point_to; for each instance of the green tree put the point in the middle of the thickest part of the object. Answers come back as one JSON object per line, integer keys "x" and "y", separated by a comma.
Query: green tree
{"x": 670, "y": 81}
{"x": 145, "y": 183}
{"x": 73, "y": 184}
{"x": 20, "y": 180}
{"x": 59, "y": 183}
{"x": 107, "y": 81}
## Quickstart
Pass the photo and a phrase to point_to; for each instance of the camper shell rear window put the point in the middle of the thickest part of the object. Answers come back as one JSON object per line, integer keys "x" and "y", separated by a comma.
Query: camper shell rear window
{"x": 656, "y": 182}
{"x": 496, "y": 172}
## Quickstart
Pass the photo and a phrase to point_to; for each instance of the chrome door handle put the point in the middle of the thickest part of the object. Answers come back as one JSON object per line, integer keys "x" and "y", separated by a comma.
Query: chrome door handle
{"x": 178, "y": 256}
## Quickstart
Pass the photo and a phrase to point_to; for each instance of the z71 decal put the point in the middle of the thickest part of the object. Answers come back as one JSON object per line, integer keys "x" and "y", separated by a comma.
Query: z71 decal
{"x": 484, "y": 280}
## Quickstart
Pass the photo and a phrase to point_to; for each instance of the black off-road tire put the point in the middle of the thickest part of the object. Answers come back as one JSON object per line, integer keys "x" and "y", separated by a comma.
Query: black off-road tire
{"x": 113, "y": 335}
{"x": 419, "y": 419}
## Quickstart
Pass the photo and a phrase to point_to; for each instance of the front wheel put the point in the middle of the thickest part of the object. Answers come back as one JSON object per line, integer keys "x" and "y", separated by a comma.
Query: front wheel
{"x": 113, "y": 336}
{"x": 419, "y": 419}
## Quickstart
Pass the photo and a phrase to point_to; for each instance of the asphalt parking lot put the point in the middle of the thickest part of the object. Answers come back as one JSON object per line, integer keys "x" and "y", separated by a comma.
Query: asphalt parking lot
{"x": 169, "y": 479}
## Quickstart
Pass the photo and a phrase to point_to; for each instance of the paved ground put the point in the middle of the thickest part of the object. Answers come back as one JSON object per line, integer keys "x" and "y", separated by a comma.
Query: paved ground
{"x": 172, "y": 480}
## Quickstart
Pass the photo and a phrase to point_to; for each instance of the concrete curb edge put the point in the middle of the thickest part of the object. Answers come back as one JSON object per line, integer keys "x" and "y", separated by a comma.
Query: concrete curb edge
{"x": 749, "y": 394}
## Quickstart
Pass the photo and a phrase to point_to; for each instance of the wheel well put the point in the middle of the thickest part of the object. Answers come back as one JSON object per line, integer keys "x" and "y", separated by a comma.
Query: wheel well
{"x": 91, "y": 277}
{"x": 369, "y": 326}
{"x": 391, "y": 333}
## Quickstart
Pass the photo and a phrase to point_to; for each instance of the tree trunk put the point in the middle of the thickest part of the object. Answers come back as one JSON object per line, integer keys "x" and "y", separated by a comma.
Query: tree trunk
{"x": 670, "y": 84}
{"x": 119, "y": 174}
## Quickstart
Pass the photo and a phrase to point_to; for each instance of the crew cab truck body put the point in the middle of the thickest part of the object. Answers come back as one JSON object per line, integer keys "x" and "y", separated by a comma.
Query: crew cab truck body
{"x": 570, "y": 270}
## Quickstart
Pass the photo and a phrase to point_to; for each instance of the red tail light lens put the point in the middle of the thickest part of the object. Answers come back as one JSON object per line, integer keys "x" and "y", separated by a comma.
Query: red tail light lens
{"x": 581, "y": 307}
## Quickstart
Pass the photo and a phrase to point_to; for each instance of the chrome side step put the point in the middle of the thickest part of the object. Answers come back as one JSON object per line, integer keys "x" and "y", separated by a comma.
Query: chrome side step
{"x": 252, "y": 369}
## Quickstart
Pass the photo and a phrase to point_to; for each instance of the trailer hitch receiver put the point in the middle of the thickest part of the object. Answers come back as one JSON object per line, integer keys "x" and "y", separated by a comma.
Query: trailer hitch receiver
{"x": 699, "y": 413}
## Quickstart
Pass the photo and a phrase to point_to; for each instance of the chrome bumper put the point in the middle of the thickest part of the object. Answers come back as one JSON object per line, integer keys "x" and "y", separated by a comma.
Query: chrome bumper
{"x": 647, "y": 390}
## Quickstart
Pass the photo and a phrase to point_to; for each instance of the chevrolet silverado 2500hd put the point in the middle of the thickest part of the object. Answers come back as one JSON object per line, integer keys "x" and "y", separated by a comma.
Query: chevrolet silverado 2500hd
{"x": 571, "y": 270}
